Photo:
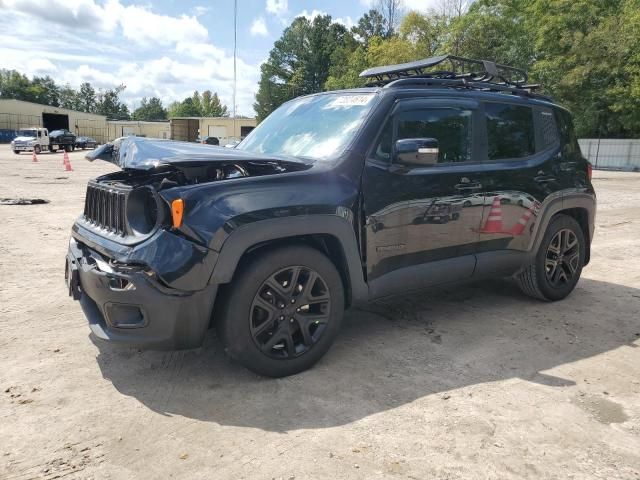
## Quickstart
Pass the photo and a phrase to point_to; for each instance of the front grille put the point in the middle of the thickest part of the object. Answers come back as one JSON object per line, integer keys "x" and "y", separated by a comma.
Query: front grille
{"x": 105, "y": 207}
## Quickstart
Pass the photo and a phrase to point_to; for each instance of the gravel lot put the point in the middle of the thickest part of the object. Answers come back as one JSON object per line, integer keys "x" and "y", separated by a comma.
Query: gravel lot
{"x": 480, "y": 382}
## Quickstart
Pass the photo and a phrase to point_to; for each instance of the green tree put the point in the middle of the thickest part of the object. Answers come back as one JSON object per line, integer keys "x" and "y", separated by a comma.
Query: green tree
{"x": 186, "y": 108}
{"x": 299, "y": 61}
{"x": 425, "y": 32}
{"x": 87, "y": 98}
{"x": 109, "y": 104}
{"x": 150, "y": 110}
{"x": 68, "y": 98}
{"x": 13, "y": 85}
{"x": 587, "y": 57}
{"x": 44, "y": 90}
{"x": 371, "y": 24}
{"x": 211, "y": 106}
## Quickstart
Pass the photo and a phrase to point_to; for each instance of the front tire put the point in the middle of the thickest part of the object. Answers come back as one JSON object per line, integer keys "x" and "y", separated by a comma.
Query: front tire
{"x": 558, "y": 263}
{"x": 283, "y": 311}
{"x": 17, "y": 152}
{"x": 37, "y": 149}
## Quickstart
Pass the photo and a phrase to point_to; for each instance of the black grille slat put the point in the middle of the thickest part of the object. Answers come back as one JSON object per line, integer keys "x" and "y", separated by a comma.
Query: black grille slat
{"x": 104, "y": 207}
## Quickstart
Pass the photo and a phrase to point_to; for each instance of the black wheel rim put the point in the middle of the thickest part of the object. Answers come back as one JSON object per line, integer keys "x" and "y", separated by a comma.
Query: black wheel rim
{"x": 290, "y": 312}
{"x": 563, "y": 258}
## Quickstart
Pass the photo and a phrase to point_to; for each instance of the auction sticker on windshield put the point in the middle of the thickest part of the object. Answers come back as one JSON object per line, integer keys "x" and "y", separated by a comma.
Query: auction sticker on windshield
{"x": 351, "y": 100}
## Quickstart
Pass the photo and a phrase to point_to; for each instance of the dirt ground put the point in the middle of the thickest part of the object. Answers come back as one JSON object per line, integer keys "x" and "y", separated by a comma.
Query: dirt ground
{"x": 476, "y": 382}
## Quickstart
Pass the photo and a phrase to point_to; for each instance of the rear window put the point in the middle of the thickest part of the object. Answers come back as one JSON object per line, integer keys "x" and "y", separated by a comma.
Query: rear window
{"x": 510, "y": 131}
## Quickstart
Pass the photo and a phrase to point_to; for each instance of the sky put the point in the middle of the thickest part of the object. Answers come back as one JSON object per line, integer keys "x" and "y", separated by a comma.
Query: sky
{"x": 164, "y": 48}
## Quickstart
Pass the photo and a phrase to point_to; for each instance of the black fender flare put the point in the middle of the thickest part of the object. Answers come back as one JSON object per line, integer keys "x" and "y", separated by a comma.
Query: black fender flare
{"x": 247, "y": 236}
{"x": 556, "y": 204}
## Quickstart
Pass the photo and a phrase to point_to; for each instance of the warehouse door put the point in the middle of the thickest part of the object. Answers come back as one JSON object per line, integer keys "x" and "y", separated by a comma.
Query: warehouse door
{"x": 55, "y": 121}
{"x": 245, "y": 130}
{"x": 219, "y": 132}
{"x": 185, "y": 129}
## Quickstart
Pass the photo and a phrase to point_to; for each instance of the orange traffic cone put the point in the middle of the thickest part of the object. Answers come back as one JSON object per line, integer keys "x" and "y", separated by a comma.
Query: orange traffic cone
{"x": 34, "y": 157}
{"x": 67, "y": 162}
{"x": 494, "y": 220}
{"x": 522, "y": 223}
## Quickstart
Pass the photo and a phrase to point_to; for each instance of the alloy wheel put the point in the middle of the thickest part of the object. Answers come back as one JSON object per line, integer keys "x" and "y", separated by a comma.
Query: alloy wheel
{"x": 290, "y": 312}
{"x": 562, "y": 260}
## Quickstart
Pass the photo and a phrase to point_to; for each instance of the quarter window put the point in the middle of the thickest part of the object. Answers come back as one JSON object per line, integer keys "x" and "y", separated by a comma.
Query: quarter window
{"x": 510, "y": 132}
{"x": 451, "y": 127}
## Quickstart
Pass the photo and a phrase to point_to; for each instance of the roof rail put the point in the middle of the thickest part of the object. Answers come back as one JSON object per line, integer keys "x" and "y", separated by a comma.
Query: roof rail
{"x": 465, "y": 72}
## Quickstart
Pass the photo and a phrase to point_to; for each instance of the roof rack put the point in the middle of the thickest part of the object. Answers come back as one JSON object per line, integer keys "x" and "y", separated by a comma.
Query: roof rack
{"x": 460, "y": 72}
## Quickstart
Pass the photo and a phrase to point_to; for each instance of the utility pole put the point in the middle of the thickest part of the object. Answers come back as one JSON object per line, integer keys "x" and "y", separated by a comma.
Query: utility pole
{"x": 235, "y": 46}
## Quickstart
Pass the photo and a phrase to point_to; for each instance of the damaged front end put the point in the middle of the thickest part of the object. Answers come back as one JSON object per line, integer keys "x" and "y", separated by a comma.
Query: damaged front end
{"x": 140, "y": 278}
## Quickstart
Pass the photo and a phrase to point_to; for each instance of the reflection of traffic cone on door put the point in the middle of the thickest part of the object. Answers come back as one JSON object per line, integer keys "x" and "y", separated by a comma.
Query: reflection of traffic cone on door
{"x": 494, "y": 221}
{"x": 67, "y": 162}
{"x": 518, "y": 228}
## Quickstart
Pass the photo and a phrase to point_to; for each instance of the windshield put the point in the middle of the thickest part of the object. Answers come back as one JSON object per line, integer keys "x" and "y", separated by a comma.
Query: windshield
{"x": 317, "y": 127}
{"x": 27, "y": 132}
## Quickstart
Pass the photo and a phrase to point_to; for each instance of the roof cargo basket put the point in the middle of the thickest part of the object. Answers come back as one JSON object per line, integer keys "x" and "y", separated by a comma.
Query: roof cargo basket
{"x": 451, "y": 71}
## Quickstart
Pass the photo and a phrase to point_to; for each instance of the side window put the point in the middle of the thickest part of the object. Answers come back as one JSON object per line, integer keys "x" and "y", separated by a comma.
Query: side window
{"x": 569, "y": 139}
{"x": 548, "y": 128}
{"x": 451, "y": 127}
{"x": 510, "y": 131}
{"x": 46, "y": 134}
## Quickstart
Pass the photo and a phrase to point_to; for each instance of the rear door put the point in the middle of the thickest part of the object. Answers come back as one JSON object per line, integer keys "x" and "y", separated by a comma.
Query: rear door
{"x": 522, "y": 170}
{"x": 422, "y": 222}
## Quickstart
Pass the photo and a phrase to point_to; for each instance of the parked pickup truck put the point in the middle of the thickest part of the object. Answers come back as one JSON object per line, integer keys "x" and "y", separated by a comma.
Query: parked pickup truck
{"x": 62, "y": 139}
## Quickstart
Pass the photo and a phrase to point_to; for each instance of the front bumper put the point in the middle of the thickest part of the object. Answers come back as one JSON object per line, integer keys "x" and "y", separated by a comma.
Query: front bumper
{"x": 22, "y": 148}
{"x": 130, "y": 304}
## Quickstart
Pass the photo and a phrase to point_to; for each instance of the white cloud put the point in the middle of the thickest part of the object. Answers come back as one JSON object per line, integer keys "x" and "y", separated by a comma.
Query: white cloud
{"x": 152, "y": 54}
{"x": 142, "y": 26}
{"x": 346, "y": 21}
{"x": 259, "y": 27}
{"x": 311, "y": 15}
{"x": 137, "y": 23}
{"x": 277, "y": 7}
{"x": 418, "y": 5}
{"x": 422, "y": 5}
{"x": 200, "y": 10}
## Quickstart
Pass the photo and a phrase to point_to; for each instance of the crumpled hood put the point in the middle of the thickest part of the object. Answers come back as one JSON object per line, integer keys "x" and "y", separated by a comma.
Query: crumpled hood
{"x": 24, "y": 139}
{"x": 147, "y": 153}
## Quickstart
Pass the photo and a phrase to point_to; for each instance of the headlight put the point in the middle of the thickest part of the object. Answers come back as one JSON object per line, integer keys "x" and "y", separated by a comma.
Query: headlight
{"x": 32, "y": 143}
{"x": 142, "y": 210}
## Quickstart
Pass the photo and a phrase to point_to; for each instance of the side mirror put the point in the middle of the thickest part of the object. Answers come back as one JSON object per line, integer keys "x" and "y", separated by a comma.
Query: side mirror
{"x": 417, "y": 151}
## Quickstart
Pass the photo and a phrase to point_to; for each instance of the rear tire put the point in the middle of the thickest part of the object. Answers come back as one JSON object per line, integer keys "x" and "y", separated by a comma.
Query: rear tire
{"x": 261, "y": 324}
{"x": 558, "y": 263}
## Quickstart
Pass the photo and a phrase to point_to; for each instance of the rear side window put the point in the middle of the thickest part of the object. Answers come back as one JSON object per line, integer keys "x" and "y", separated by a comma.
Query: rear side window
{"x": 510, "y": 131}
{"x": 451, "y": 127}
{"x": 569, "y": 139}
{"x": 548, "y": 128}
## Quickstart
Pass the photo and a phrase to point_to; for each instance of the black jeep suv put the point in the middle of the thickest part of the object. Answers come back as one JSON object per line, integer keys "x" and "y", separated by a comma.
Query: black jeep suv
{"x": 425, "y": 178}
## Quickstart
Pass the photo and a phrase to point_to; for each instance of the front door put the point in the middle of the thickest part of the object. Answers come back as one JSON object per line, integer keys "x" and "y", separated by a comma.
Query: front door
{"x": 422, "y": 222}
